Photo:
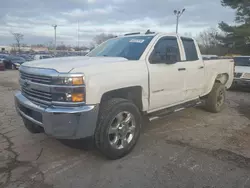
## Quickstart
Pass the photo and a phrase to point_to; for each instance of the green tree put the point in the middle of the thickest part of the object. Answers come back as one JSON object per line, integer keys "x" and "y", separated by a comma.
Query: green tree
{"x": 237, "y": 37}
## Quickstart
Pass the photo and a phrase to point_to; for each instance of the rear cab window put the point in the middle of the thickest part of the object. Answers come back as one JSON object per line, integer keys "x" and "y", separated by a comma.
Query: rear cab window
{"x": 190, "y": 49}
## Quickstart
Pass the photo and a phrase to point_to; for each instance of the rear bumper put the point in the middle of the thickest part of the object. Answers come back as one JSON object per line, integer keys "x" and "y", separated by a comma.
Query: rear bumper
{"x": 17, "y": 66}
{"x": 241, "y": 82}
{"x": 59, "y": 122}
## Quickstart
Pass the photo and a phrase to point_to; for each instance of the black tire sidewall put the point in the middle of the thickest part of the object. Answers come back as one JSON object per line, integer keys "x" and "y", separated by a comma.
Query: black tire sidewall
{"x": 105, "y": 146}
{"x": 212, "y": 98}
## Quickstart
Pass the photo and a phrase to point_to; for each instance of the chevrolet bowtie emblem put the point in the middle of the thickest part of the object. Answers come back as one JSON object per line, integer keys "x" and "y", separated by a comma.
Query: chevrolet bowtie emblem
{"x": 26, "y": 83}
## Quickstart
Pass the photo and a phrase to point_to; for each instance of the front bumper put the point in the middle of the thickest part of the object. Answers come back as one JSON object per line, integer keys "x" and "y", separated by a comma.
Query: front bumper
{"x": 59, "y": 122}
{"x": 241, "y": 82}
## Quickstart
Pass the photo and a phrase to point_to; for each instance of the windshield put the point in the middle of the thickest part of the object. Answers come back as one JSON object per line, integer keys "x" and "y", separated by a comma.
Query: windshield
{"x": 130, "y": 48}
{"x": 242, "y": 61}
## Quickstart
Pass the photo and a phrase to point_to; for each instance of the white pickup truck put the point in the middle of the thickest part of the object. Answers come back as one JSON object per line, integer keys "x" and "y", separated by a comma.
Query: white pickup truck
{"x": 104, "y": 94}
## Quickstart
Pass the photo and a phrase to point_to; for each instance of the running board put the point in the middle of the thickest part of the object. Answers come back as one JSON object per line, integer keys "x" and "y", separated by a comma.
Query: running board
{"x": 165, "y": 112}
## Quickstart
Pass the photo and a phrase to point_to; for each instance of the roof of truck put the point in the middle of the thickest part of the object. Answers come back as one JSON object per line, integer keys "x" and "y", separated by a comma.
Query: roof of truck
{"x": 152, "y": 34}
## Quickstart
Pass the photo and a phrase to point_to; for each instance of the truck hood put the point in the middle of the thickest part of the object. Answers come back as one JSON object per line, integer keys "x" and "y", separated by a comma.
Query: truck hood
{"x": 242, "y": 69}
{"x": 67, "y": 64}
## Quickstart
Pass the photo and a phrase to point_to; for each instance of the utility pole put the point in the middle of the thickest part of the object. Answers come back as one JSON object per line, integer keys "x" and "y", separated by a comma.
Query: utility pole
{"x": 55, "y": 26}
{"x": 178, "y": 14}
{"x": 78, "y": 34}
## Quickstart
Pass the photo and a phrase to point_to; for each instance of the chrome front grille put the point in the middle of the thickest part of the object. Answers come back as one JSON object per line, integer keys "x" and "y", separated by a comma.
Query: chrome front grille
{"x": 37, "y": 85}
{"x": 38, "y": 97}
{"x": 37, "y": 94}
{"x": 30, "y": 88}
{"x": 36, "y": 78}
{"x": 237, "y": 75}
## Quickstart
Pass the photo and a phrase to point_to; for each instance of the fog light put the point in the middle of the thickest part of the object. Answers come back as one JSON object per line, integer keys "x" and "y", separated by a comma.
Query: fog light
{"x": 77, "y": 97}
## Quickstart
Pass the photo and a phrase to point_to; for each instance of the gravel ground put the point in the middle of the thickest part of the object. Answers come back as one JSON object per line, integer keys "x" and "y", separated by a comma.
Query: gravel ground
{"x": 192, "y": 148}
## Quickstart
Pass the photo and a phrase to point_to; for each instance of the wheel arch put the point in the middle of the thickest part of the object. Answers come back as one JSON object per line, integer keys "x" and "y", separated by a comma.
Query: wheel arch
{"x": 133, "y": 94}
{"x": 222, "y": 78}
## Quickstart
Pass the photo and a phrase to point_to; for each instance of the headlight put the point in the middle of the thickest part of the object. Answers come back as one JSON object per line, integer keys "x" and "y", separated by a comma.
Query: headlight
{"x": 68, "y": 81}
{"x": 75, "y": 97}
{"x": 75, "y": 92}
{"x": 68, "y": 97}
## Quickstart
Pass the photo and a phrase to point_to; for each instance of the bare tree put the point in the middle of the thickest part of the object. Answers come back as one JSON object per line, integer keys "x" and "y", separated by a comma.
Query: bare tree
{"x": 98, "y": 39}
{"x": 18, "y": 37}
{"x": 207, "y": 37}
{"x": 188, "y": 34}
{"x": 208, "y": 41}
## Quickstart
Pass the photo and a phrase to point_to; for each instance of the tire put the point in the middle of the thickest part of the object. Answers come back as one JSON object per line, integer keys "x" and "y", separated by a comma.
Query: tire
{"x": 33, "y": 128}
{"x": 110, "y": 114}
{"x": 215, "y": 100}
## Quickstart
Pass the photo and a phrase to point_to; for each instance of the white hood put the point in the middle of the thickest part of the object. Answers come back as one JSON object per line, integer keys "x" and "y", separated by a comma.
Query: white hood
{"x": 242, "y": 69}
{"x": 67, "y": 64}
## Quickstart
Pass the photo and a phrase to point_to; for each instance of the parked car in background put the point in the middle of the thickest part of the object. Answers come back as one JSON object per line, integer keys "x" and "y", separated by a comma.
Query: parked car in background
{"x": 2, "y": 68}
{"x": 3, "y": 56}
{"x": 242, "y": 71}
{"x": 13, "y": 62}
{"x": 42, "y": 56}
{"x": 27, "y": 57}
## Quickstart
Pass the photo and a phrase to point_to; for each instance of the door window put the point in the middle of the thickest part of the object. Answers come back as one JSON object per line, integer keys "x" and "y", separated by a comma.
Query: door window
{"x": 166, "y": 50}
{"x": 190, "y": 49}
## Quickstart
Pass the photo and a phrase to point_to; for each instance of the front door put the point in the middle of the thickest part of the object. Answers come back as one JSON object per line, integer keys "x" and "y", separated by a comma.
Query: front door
{"x": 166, "y": 80}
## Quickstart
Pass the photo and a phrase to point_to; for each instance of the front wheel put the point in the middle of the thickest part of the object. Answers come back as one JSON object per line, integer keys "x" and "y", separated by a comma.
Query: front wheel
{"x": 216, "y": 98}
{"x": 118, "y": 128}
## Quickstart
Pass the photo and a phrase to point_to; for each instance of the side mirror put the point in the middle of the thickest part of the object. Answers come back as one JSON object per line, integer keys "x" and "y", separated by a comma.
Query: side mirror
{"x": 155, "y": 58}
{"x": 171, "y": 57}
{"x": 168, "y": 57}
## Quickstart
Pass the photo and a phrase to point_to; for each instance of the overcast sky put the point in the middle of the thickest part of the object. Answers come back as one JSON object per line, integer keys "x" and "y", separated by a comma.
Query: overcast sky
{"x": 34, "y": 18}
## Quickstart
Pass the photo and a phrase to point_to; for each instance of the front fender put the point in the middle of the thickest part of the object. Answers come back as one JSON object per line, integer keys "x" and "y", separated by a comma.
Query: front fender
{"x": 97, "y": 85}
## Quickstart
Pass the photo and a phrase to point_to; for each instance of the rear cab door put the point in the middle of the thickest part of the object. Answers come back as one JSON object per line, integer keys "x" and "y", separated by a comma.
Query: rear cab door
{"x": 194, "y": 69}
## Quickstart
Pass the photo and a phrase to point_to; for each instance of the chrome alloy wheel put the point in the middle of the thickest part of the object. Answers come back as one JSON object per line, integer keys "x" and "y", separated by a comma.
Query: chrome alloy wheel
{"x": 122, "y": 130}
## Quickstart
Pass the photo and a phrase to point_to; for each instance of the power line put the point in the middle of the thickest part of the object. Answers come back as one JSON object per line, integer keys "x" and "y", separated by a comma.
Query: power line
{"x": 78, "y": 34}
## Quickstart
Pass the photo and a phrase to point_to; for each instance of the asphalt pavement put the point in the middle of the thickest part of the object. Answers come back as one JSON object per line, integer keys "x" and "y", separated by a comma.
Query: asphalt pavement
{"x": 188, "y": 149}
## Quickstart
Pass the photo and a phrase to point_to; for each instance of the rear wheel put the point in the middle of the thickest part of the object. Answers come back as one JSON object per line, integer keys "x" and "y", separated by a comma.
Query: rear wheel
{"x": 215, "y": 100}
{"x": 118, "y": 128}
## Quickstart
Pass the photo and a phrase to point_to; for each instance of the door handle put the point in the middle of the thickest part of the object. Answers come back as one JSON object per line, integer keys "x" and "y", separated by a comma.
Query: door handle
{"x": 201, "y": 67}
{"x": 181, "y": 69}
